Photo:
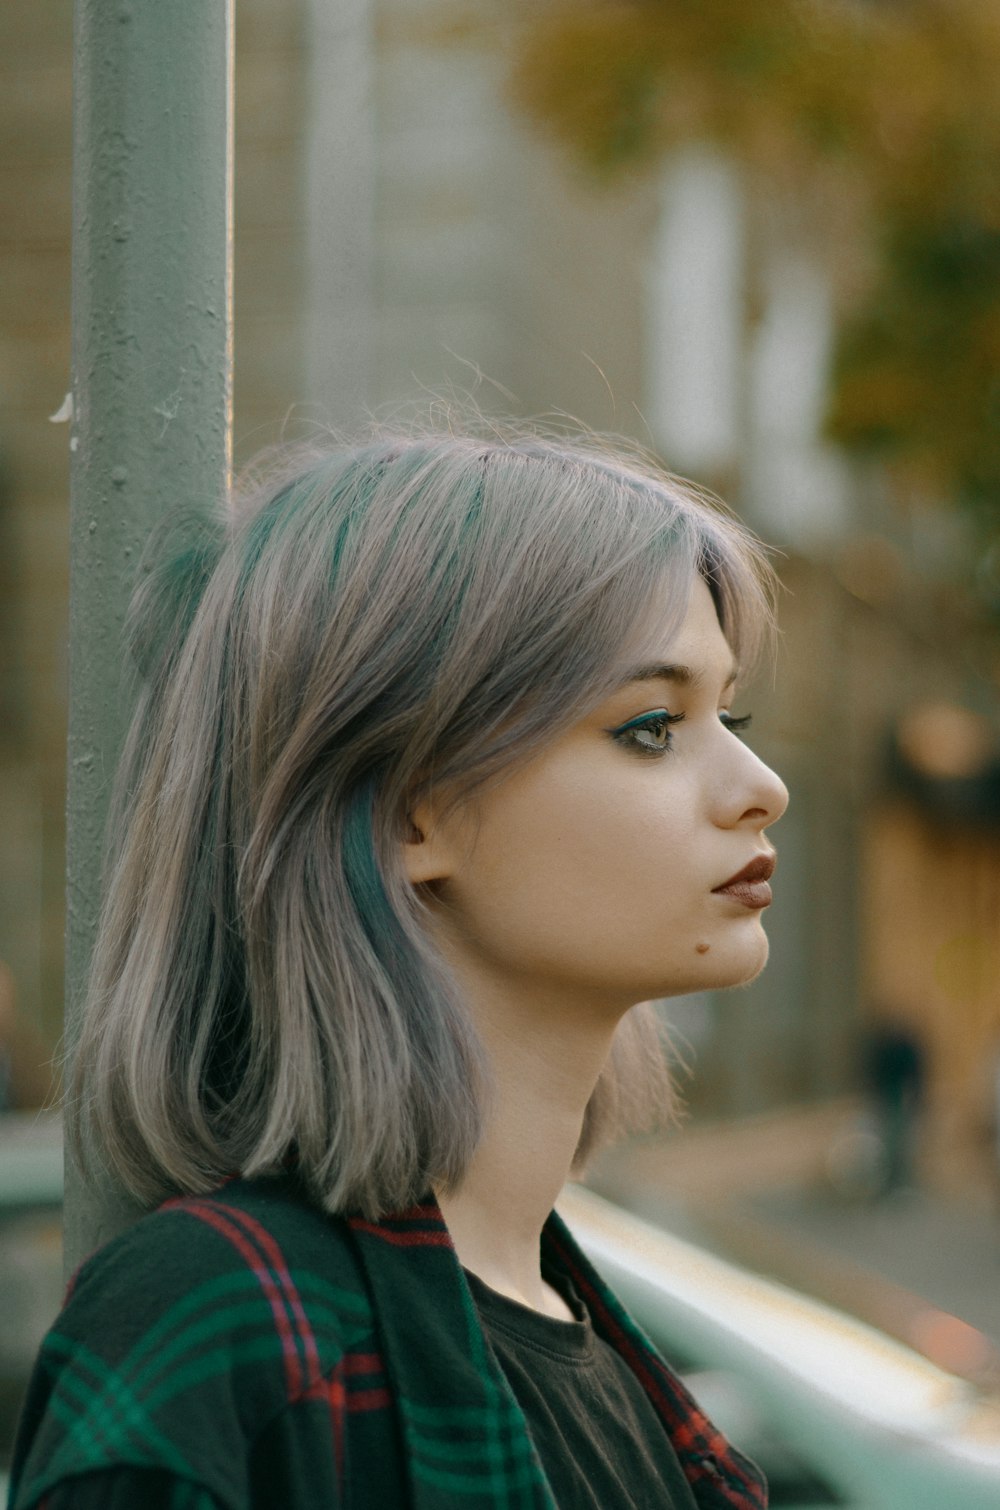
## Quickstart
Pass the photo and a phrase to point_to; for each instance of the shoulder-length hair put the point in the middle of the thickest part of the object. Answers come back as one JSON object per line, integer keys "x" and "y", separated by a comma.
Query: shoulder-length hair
{"x": 409, "y": 613}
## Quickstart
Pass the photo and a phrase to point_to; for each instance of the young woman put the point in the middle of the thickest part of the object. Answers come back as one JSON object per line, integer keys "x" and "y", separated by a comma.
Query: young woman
{"x": 434, "y": 780}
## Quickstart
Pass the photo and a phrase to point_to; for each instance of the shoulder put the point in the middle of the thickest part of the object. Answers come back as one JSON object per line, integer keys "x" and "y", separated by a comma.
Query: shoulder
{"x": 249, "y": 1252}
{"x": 185, "y": 1336}
{"x": 257, "y": 1225}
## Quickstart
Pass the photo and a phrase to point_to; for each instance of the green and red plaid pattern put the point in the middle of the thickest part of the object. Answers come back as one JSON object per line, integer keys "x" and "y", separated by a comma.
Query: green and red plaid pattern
{"x": 244, "y": 1350}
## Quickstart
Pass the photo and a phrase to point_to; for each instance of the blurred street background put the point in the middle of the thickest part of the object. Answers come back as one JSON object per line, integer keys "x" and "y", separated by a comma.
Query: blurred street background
{"x": 761, "y": 237}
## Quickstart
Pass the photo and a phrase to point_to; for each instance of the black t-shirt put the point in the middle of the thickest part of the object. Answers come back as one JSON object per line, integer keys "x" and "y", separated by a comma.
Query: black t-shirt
{"x": 601, "y": 1443}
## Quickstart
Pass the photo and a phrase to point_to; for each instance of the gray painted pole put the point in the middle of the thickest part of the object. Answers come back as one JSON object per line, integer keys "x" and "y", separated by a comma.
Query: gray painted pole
{"x": 152, "y": 386}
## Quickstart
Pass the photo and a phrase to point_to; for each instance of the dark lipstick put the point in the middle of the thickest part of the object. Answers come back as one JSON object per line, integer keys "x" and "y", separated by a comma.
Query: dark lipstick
{"x": 750, "y": 885}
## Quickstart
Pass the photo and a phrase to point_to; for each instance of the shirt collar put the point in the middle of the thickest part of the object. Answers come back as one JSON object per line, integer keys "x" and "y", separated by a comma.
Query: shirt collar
{"x": 466, "y": 1438}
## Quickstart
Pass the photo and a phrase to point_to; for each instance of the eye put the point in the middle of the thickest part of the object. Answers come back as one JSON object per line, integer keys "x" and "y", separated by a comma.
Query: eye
{"x": 735, "y": 725}
{"x": 650, "y": 733}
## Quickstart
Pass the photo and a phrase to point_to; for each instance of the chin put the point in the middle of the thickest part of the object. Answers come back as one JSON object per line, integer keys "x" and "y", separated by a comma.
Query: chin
{"x": 734, "y": 966}
{"x": 751, "y": 965}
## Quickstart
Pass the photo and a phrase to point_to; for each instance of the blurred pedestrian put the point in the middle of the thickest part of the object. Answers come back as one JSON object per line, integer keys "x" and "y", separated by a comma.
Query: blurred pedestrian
{"x": 896, "y": 1071}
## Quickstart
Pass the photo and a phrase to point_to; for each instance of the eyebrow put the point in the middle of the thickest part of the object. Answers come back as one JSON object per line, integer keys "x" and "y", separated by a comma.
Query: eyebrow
{"x": 681, "y": 676}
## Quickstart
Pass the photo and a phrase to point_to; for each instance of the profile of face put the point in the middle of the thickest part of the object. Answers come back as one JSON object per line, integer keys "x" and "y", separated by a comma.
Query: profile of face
{"x": 597, "y": 872}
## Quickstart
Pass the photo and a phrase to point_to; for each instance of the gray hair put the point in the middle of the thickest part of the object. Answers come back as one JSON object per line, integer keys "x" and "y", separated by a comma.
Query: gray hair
{"x": 372, "y": 622}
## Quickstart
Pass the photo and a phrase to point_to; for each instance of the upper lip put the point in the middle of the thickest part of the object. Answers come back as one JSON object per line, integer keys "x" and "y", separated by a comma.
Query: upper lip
{"x": 760, "y": 868}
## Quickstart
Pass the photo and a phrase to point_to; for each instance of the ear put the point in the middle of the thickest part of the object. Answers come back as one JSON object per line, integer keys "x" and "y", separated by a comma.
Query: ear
{"x": 427, "y": 852}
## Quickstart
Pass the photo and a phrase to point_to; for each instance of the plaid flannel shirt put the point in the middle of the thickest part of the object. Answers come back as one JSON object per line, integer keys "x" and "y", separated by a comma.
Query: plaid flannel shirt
{"x": 244, "y": 1351}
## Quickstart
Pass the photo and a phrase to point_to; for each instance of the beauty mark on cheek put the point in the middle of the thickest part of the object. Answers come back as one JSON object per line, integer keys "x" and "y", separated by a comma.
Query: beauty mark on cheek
{"x": 701, "y": 948}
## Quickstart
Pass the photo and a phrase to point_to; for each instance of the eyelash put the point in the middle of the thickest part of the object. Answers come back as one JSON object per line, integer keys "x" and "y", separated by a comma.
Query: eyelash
{"x": 626, "y": 734}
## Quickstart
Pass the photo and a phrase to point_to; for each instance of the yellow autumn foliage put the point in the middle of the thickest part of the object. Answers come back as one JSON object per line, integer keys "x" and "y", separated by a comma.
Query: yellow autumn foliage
{"x": 891, "y": 104}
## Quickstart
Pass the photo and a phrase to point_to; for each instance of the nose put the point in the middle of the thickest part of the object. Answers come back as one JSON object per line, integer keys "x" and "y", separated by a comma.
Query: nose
{"x": 757, "y": 796}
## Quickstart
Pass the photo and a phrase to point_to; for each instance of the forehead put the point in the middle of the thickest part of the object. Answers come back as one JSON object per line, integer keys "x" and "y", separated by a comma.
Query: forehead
{"x": 687, "y": 651}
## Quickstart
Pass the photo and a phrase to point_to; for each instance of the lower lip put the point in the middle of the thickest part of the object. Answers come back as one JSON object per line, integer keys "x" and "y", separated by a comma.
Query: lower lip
{"x": 752, "y": 894}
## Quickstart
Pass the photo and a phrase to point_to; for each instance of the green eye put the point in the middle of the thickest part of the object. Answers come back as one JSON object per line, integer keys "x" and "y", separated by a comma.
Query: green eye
{"x": 650, "y": 733}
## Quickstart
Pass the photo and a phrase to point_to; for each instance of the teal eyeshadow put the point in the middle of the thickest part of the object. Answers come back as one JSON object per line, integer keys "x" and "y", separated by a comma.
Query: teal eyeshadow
{"x": 645, "y": 718}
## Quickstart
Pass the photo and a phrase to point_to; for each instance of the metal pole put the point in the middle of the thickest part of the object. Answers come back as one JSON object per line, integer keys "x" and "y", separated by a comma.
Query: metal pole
{"x": 152, "y": 385}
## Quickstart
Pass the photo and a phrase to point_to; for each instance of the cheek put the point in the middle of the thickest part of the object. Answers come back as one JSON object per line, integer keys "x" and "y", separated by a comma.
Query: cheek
{"x": 567, "y": 863}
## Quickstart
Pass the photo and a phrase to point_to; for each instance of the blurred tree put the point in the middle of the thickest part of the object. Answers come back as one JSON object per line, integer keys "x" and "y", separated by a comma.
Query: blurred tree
{"x": 880, "y": 119}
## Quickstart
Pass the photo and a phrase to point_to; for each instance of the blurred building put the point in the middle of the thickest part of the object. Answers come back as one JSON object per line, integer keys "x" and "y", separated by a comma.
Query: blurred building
{"x": 401, "y": 235}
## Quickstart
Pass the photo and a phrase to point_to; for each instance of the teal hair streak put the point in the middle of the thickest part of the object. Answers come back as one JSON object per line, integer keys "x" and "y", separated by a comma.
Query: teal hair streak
{"x": 342, "y": 494}
{"x": 182, "y": 558}
{"x": 364, "y": 881}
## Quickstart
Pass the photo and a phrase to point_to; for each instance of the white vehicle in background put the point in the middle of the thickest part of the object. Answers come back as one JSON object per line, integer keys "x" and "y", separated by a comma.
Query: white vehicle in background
{"x": 835, "y": 1412}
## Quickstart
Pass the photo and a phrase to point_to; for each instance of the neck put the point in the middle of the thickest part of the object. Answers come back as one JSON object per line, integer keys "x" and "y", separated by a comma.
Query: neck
{"x": 545, "y": 1063}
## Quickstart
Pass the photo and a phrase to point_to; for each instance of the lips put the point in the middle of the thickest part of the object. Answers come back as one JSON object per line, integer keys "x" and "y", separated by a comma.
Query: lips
{"x": 750, "y": 885}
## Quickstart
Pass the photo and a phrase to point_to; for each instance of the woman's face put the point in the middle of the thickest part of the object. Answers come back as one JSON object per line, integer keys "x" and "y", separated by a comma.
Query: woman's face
{"x": 594, "y": 871}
